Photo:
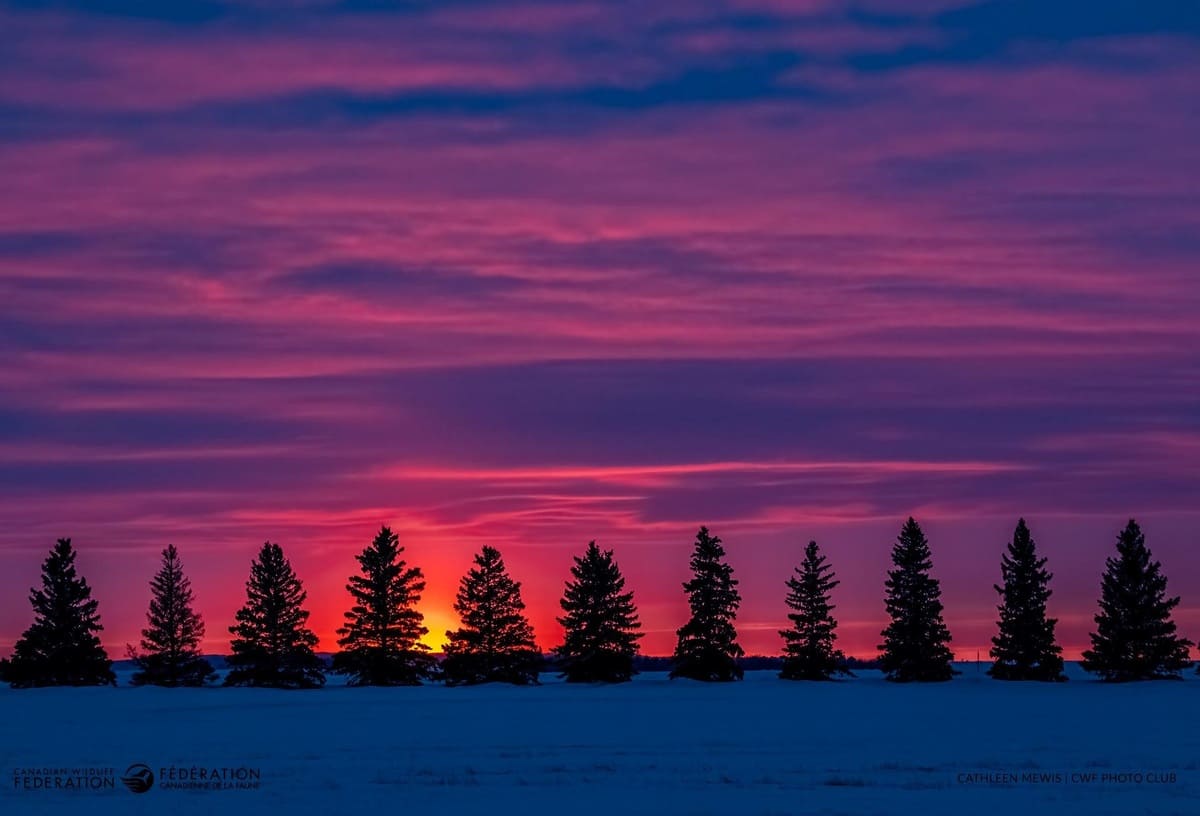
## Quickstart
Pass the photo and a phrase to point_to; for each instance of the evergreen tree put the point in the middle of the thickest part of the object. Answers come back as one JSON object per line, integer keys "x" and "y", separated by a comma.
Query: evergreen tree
{"x": 707, "y": 647}
{"x": 809, "y": 653}
{"x": 272, "y": 646}
{"x": 381, "y": 640}
{"x": 495, "y": 642}
{"x": 170, "y": 647}
{"x": 1025, "y": 648}
{"x": 916, "y": 643}
{"x": 1135, "y": 637}
{"x": 61, "y": 648}
{"x": 600, "y": 620}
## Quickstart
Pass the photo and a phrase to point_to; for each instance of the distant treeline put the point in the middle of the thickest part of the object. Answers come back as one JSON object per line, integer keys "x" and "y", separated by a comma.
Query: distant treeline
{"x": 380, "y": 641}
{"x": 641, "y": 663}
{"x": 644, "y": 663}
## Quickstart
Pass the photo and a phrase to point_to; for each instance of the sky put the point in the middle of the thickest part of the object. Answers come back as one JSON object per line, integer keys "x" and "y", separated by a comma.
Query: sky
{"x": 531, "y": 273}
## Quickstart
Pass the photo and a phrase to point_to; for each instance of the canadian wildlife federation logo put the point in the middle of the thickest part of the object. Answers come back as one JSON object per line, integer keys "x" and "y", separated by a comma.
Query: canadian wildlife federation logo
{"x": 138, "y": 777}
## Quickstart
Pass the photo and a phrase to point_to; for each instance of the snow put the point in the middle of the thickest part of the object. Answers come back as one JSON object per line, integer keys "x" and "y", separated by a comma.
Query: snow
{"x": 762, "y": 746}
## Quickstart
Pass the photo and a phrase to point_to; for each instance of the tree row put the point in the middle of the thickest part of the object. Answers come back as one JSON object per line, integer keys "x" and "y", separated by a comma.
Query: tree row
{"x": 381, "y": 640}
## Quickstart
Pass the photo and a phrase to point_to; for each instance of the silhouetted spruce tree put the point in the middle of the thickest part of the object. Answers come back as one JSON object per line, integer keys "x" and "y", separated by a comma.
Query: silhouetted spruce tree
{"x": 808, "y": 652}
{"x": 1135, "y": 637}
{"x": 61, "y": 648}
{"x": 916, "y": 643}
{"x": 495, "y": 642}
{"x": 600, "y": 623}
{"x": 381, "y": 640}
{"x": 1025, "y": 647}
{"x": 272, "y": 646}
{"x": 170, "y": 647}
{"x": 707, "y": 648}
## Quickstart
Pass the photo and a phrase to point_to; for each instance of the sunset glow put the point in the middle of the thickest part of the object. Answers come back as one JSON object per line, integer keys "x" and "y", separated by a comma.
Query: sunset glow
{"x": 290, "y": 271}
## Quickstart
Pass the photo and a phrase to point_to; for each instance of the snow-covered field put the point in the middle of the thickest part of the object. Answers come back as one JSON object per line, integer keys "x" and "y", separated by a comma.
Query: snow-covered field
{"x": 763, "y": 746}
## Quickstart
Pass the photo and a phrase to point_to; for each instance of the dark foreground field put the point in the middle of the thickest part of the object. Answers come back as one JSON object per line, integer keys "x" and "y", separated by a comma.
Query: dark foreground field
{"x": 763, "y": 746}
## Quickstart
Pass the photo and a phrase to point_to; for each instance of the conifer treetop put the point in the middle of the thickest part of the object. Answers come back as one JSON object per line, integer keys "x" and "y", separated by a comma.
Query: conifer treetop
{"x": 1024, "y": 647}
{"x": 600, "y": 621}
{"x": 1135, "y": 637}
{"x": 272, "y": 645}
{"x": 809, "y": 651}
{"x": 381, "y": 638}
{"x": 61, "y": 646}
{"x": 707, "y": 647}
{"x": 916, "y": 640}
{"x": 170, "y": 646}
{"x": 495, "y": 641}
